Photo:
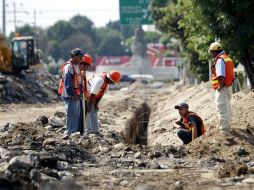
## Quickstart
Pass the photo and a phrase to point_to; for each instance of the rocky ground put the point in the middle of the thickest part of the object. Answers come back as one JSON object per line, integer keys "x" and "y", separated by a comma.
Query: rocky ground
{"x": 33, "y": 155}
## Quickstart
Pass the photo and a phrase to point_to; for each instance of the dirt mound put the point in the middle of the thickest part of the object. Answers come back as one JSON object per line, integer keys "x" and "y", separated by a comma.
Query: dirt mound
{"x": 243, "y": 110}
{"x": 138, "y": 85}
{"x": 201, "y": 100}
{"x": 28, "y": 88}
{"x": 239, "y": 144}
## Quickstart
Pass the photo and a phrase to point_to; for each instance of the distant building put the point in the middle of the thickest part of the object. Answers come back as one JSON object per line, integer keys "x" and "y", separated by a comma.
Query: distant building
{"x": 162, "y": 68}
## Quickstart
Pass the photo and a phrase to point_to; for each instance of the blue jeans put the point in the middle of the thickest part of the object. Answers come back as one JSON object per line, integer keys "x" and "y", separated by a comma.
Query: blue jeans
{"x": 92, "y": 125}
{"x": 185, "y": 135}
{"x": 72, "y": 115}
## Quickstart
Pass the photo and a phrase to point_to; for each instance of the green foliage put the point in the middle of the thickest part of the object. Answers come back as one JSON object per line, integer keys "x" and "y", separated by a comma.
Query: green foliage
{"x": 152, "y": 37}
{"x": 63, "y": 36}
{"x": 84, "y": 25}
{"x": 241, "y": 78}
{"x": 126, "y": 30}
{"x": 177, "y": 19}
{"x": 110, "y": 42}
{"x": 232, "y": 21}
{"x": 197, "y": 23}
{"x": 60, "y": 31}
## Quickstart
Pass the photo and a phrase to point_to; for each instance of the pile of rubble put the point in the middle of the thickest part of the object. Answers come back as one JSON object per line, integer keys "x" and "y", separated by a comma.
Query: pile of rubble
{"x": 28, "y": 88}
{"x": 33, "y": 155}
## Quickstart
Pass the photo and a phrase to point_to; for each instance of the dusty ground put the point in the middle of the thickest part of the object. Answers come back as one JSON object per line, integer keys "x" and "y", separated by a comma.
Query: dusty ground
{"x": 13, "y": 113}
{"x": 107, "y": 162}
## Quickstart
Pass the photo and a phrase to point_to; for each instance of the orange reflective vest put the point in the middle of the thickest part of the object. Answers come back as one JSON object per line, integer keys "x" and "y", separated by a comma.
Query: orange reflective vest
{"x": 201, "y": 127}
{"x": 229, "y": 71}
{"x": 75, "y": 83}
{"x": 103, "y": 88}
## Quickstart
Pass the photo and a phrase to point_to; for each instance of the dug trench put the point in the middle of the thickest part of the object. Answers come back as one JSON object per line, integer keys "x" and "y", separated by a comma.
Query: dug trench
{"x": 137, "y": 128}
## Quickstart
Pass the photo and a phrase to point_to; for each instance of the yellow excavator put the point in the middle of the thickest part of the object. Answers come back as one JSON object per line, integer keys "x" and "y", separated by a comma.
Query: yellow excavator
{"x": 23, "y": 54}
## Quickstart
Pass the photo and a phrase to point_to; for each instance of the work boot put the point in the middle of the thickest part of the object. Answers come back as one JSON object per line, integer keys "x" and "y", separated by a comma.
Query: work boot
{"x": 77, "y": 134}
{"x": 65, "y": 137}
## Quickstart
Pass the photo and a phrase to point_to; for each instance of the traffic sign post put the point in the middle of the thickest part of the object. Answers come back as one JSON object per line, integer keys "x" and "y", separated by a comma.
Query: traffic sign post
{"x": 135, "y": 12}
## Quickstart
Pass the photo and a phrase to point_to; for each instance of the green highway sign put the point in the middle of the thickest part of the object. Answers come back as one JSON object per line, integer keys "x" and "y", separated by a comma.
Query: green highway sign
{"x": 135, "y": 12}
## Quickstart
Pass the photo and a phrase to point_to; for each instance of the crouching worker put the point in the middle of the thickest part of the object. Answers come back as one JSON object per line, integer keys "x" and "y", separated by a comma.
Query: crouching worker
{"x": 96, "y": 88}
{"x": 190, "y": 125}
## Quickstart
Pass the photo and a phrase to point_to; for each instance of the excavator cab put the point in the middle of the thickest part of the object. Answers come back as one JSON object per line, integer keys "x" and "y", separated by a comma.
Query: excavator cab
{"x": 24, "y": 52}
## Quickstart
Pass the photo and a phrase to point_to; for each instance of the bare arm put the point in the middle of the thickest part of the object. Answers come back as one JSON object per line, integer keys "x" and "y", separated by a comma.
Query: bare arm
{"x": 194, "y": 131}
{"x": 221, "y": 80}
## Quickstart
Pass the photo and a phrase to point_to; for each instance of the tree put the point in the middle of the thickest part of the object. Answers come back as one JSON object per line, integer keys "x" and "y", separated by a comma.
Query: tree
{"x": 197, "y": 23}
{"x": 233, "y": 23}
{"x": 126, "y": 30}
{"x": 66, "y": 35}
{"x": 172, "y": 19}
{"x": 110, "y": 42}
{"x": 83, "y": 25}
{"x": 60, "y": 31}
{"x": 152, "y": 37}
{"x": 80, "y": 40}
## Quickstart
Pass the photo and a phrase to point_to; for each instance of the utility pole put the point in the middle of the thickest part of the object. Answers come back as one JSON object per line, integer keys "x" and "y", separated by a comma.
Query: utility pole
{"x": 34, "y": 19}
{"x": 4, "y": 19}
{"x": 14, "y": 13}
{"x": 34, "y": 22}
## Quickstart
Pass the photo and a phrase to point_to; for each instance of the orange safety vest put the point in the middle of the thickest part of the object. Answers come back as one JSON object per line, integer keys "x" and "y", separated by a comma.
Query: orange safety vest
{"x": 229, "y": 71}
{"x": 74, "y": 80}
{"x": 189, "y": 127}
{"x": 103, "y": 88}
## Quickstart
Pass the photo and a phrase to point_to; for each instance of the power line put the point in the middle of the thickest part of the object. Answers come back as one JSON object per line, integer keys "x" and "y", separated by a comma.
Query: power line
{"x": 59, "y": 10}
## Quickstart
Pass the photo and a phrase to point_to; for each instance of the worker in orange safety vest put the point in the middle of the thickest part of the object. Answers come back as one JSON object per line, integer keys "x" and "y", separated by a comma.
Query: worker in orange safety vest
{"x": 222, "y": 80}
{"x": 85, "y": 63}
{"x": 71, "y": 89}
{"x": 96, "y": 87}
{"x": 190, "y": 126}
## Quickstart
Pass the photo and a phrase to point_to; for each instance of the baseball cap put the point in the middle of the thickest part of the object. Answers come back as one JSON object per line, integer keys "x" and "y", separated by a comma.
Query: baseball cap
{"x": 77, "y": 52}
{"x": 182, "y": 105}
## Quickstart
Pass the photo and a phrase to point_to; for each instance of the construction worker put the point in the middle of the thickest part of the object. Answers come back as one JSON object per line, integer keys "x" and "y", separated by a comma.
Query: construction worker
{"x": 70, "y": 88}
{"x": 96, "y": 88}
{"x": 222, "y": 79}
{"x": 190, "y": 125}
{"x": 85, "y": 63}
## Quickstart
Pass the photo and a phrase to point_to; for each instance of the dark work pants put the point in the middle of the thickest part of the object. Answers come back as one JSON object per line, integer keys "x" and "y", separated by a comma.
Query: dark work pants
{"x": 185, "y": 135}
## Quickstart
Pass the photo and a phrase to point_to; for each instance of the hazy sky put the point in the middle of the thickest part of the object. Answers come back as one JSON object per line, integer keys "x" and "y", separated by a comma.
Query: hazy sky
{"x": 50, "y": 11}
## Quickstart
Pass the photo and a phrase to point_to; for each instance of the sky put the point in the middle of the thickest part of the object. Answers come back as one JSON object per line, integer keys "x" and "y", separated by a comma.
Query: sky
{"x": 50, "y": 11}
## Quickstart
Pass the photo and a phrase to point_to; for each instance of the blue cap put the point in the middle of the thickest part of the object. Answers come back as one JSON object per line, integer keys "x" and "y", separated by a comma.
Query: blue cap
{"x": 182, "y": 105}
